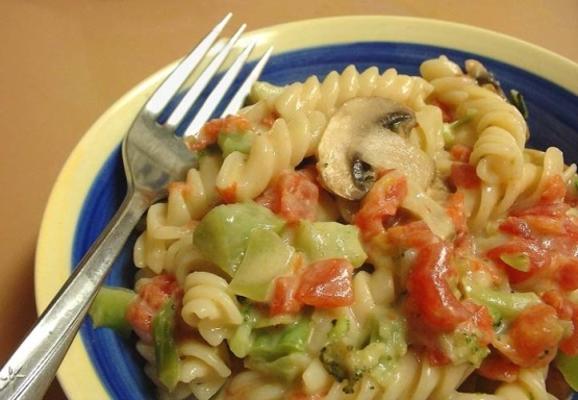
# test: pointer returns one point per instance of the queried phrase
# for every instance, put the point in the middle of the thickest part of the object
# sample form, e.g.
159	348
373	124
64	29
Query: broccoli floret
383	343
464	346
339	329
332	356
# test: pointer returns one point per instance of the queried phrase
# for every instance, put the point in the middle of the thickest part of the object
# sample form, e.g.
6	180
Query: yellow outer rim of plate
53	254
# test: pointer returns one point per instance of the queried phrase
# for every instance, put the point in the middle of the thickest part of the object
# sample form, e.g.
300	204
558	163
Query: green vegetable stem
167	358
109	309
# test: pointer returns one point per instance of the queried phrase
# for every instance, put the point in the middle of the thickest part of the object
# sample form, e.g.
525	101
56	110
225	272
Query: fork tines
167	90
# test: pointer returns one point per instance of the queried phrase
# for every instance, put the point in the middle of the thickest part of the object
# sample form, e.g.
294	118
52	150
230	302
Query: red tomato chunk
562	306
151	297
293	195
284	301
455	209
381	202
568	274
538	258
429	289
464	175
211	130
415	234
554	192
535	335
326	284
499	368
460	152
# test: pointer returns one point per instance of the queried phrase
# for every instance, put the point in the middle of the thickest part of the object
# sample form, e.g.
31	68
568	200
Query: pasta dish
369	236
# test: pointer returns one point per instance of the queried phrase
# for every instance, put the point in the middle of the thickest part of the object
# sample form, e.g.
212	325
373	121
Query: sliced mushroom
483	76
365	135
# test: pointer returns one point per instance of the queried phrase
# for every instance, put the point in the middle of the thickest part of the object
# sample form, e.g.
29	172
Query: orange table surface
63	62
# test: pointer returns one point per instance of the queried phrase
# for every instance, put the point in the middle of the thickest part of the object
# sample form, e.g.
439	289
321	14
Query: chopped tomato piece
140	317
326	284
554	191
211	130
538	258
460	152
455	208
566	245
284	301
268	198
535	335
158	290
568	274
530	224
293	195
464	175
499	368
480	323
571	227
569	345
426	338
429	289
546	225
228	194
516	226
151	297
381	202
544	210
447	112
413	235
562	306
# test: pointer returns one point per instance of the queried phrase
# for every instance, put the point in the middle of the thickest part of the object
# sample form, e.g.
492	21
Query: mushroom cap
365	135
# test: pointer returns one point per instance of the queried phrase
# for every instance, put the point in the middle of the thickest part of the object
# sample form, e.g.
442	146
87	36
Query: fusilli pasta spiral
529	386
249	385
209	306
203	370
287	143
411	378
337	88
500	130
168	222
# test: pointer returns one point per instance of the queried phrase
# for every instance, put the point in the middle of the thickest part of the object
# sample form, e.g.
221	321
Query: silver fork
153	157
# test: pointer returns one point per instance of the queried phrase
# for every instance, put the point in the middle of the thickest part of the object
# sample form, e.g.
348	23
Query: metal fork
153	157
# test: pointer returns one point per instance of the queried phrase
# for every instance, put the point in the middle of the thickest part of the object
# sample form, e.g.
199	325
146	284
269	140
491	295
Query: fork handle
32	367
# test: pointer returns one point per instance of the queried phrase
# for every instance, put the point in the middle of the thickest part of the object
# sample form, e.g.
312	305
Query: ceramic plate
91	185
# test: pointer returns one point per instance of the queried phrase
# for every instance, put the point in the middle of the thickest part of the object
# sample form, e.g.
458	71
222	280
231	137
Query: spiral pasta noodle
168	222
428	133
253	385
411	378
510	174
500	129
490	201
209	306
337	88
529	386
284	146
203	371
